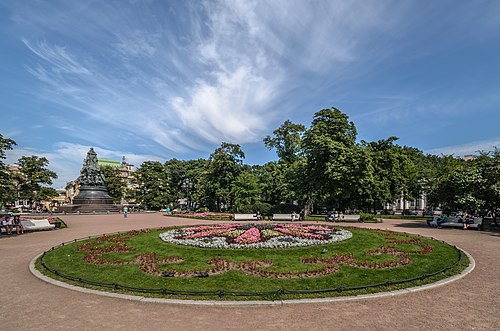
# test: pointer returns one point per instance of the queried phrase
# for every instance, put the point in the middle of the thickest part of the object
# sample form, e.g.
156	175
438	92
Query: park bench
453	222
246	217
351	218
344	218
477	225
33	225
285	217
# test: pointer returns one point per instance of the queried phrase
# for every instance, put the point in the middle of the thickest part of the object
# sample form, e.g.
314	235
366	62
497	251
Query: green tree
153	188
488	191
224	165
46	194
245	189
329	147
273	184
7	189
33	173
287	141
113	182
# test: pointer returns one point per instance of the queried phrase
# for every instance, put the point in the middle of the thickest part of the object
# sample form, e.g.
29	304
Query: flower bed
254	235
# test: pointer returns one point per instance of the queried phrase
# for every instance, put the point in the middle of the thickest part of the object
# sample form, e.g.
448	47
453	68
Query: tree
33	173
224	165
329	145
46	194
153	188
287	141
113	182
488	190
245	189
7	190
386	184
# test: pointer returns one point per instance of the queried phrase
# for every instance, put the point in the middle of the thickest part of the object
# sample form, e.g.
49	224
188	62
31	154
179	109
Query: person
294	216
468	219
258	215
340	216
167	210
125	211
18	225
331	216
441	220
7	223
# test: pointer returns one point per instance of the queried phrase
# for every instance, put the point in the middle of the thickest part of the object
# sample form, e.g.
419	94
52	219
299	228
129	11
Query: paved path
27	303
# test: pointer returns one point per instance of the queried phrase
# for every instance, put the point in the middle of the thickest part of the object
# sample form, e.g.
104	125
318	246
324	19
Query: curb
465	272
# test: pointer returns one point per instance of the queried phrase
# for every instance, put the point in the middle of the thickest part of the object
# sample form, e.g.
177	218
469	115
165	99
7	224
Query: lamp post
144	191
187	185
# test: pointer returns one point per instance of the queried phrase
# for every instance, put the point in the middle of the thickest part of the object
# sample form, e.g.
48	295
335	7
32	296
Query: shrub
368	218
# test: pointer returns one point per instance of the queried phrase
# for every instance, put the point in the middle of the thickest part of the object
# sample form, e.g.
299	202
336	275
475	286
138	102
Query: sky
155	80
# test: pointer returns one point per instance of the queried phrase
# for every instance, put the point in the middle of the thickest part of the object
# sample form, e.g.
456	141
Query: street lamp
187	185
144	191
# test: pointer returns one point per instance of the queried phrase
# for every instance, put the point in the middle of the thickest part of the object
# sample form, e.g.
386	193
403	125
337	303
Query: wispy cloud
222	77
472	148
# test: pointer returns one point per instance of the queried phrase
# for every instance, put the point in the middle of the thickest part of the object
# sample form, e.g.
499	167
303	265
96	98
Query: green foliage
367	218
33	173
46	194
287	141
262	208
471	186
224	166
245	190
113	182
7	189
153	189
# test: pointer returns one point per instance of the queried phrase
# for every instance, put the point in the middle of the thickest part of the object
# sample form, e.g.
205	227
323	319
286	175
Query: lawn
140	259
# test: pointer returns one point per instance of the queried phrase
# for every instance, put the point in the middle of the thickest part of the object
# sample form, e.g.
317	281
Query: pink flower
250	236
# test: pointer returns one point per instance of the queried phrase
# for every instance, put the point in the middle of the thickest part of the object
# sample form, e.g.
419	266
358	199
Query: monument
92	196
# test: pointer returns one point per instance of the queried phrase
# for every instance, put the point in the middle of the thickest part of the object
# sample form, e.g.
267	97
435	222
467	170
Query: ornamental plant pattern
255	235
321	266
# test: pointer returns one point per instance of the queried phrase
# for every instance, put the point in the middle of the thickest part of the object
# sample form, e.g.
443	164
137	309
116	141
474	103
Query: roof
109	163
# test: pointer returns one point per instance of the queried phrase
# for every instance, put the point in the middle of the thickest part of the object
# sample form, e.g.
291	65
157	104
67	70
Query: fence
222	292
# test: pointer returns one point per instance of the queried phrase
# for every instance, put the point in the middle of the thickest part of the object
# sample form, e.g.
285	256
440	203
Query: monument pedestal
91	199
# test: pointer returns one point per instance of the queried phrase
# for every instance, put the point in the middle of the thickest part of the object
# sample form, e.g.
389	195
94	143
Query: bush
368	218
262	208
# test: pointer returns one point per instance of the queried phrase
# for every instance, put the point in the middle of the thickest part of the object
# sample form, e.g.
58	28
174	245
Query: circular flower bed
255	235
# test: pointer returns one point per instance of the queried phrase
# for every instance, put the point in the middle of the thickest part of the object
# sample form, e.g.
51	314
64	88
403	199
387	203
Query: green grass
68	260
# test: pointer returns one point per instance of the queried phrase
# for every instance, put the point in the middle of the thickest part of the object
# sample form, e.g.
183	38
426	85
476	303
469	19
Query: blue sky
153	80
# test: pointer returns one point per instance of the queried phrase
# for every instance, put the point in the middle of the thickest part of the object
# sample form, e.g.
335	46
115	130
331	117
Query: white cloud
217	71
467	149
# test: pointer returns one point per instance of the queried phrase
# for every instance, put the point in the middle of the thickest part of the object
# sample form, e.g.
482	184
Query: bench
478	224
283	217
348	218
246	217
453	222
35	225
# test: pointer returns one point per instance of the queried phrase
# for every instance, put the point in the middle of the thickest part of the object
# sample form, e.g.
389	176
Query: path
471	303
